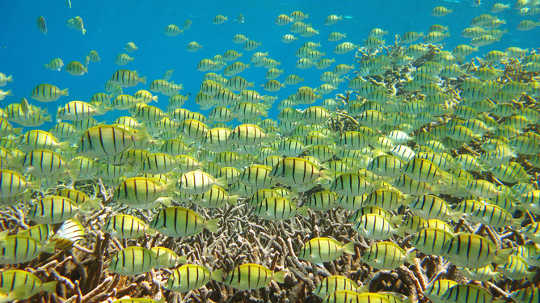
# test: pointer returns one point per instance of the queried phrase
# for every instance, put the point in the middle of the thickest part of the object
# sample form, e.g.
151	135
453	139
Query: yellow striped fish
133	260
277	208
249	276
108	140
473	251
141	192
330	284
374	227
181	222
16	249
52	210
48	93
386	255
431	241
469	293
22	285
348	296
126	227
166	258
323	249
188	277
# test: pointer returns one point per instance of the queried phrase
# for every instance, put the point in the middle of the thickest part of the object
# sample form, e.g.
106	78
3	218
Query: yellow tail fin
349	248
212	225
279	276
49	287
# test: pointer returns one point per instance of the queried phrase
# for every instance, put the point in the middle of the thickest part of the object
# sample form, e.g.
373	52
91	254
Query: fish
324	249
440	11
181	222
48	93
42	25
188	277
352	296
127	78
22	285
387	255
4	94
467	293
220	19
333	283
17	249
123	59
133	260
131	47
55	64
249	276
76	23
483	250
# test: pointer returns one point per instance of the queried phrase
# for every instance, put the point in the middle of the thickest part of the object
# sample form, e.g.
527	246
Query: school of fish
411	176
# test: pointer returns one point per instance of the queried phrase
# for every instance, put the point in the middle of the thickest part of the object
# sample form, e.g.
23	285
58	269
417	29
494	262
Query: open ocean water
111	24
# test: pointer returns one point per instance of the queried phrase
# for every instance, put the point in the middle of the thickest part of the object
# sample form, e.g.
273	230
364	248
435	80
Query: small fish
330	284
193	46
4	94
181	222
22	285
524	295
5	79
220	19
166	258
131	47
173	30
123	59
387	255
319	250
467	294
473	251
52	210
76	68
249	276
133	260
55	64
109	140
139	300
436	289
188	277
16	249
76	23
127	78
431	241
141	192
42	25
126	227
240	19
168	74
340	296
440	11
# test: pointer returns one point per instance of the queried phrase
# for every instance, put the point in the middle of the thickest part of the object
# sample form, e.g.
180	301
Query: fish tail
349	248
49	287
411	256
279	276
232	200
212	225
49	248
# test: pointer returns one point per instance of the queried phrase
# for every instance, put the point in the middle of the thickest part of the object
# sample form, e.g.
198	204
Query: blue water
110	24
